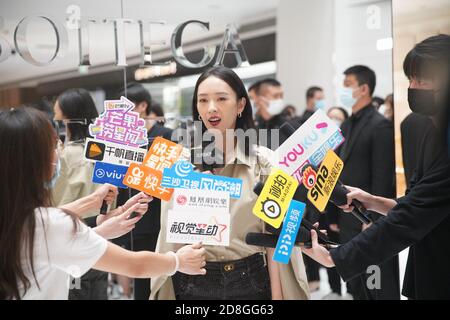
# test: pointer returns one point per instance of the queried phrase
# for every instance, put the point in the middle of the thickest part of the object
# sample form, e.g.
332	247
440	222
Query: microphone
270	240
210	160
104	207
339	197
303	236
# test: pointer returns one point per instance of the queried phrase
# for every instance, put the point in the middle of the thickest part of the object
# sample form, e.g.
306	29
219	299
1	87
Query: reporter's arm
144	264
93	201
370	202
417	214
81	206
189	259
384	205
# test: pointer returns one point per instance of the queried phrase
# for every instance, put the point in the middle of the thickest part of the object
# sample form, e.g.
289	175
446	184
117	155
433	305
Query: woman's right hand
366	199
105	192
118	224
192	259
369	201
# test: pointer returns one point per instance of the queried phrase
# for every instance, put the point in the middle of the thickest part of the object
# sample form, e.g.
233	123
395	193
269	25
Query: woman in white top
41	246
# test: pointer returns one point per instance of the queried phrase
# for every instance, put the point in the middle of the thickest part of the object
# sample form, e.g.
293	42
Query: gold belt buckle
228	267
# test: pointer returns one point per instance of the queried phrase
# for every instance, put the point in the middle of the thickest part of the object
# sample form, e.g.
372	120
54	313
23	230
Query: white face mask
275	107
346	98
382	109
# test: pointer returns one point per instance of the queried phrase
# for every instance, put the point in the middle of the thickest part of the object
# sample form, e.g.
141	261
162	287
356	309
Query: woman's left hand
143	200
318	253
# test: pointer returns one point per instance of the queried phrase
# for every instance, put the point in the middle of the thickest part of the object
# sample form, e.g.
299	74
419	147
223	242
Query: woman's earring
199	118
240	115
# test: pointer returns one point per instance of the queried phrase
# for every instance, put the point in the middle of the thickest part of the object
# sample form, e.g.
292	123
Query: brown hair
27	143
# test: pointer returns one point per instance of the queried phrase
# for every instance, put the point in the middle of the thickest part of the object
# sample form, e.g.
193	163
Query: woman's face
218	105
58	112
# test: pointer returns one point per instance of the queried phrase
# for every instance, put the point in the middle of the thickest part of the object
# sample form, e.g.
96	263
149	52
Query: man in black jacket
369	164
421	219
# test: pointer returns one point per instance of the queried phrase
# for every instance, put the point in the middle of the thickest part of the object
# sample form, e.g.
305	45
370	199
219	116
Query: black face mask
423	101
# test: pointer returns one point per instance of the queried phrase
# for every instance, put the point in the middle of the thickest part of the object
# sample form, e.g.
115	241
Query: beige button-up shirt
251	169
75	180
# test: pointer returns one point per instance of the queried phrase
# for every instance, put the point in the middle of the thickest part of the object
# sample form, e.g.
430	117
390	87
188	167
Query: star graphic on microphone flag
221	229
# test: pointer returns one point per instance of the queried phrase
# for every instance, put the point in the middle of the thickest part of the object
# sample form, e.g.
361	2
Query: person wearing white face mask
315	100
269	99
270	105
368	155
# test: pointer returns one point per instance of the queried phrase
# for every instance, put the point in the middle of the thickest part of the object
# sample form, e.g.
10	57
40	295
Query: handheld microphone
270	240
210	160
339	197
304	232
104	207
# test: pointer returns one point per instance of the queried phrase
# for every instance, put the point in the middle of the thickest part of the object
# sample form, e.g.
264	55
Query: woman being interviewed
237	271
41	246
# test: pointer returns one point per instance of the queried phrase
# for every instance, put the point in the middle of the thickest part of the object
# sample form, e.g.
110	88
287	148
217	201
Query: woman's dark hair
156	109
136	93
244	122
78	104
428	56
428	59
27	144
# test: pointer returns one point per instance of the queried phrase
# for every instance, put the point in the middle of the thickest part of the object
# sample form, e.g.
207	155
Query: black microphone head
261	239
339	194
258	188
270	240
208	155
304	235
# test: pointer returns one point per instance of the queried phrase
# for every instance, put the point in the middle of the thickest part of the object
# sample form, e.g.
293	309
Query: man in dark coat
421	219
369	164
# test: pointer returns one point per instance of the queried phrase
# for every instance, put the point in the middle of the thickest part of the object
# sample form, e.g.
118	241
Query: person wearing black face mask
421	219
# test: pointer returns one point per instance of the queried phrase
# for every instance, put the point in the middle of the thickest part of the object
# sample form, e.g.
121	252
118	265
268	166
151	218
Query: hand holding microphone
343	197
318	252
105	195
142	199
339	197
367	201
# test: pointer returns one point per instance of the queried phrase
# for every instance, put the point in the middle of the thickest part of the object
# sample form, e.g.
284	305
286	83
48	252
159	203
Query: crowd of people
54	244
